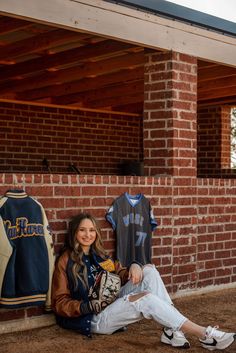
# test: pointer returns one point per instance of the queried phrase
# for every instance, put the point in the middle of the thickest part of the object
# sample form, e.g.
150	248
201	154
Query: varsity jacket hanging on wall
132	219
26	252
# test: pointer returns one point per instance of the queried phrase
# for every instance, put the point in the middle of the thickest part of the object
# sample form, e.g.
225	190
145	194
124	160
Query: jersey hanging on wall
132	220
26	252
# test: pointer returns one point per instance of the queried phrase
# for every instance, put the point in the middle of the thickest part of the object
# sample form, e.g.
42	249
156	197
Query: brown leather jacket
62	302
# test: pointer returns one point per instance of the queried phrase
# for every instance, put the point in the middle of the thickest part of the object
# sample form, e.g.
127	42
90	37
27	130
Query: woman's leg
116	315
132	308
210	337
151	282
194	329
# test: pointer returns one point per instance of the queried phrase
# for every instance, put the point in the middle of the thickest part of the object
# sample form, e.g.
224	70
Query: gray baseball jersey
132	220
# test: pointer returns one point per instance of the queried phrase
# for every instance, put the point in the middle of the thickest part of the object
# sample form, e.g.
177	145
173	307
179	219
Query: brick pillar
170	92
213	141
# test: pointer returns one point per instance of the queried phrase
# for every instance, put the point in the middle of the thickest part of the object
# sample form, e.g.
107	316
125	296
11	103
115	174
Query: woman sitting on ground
75	272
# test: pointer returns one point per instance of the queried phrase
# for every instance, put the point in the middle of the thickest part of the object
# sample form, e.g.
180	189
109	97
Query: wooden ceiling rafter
68	92
224	82
118	90
37	44
228	100
70	56
135	97
74	73
216	93
215	72
41	63
47	61
15	24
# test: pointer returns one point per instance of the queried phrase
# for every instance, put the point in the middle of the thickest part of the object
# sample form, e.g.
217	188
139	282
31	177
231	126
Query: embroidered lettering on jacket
22	228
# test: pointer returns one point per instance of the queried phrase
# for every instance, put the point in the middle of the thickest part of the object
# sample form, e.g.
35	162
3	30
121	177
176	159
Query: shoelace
213	332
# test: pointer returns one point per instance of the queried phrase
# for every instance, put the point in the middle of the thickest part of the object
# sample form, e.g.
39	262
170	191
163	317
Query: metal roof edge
181	13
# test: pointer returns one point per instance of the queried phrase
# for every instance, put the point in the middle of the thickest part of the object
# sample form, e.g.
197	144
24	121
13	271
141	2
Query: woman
75	271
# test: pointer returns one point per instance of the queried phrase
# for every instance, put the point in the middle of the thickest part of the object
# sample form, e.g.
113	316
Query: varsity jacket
66	299
26	252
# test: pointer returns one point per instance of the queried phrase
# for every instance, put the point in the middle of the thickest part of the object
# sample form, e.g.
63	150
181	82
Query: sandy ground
143	337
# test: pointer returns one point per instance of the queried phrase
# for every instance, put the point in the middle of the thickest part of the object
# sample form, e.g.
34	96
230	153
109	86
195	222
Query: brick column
214	155
170	92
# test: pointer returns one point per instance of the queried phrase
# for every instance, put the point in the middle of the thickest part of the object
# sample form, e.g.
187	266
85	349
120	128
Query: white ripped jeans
156	305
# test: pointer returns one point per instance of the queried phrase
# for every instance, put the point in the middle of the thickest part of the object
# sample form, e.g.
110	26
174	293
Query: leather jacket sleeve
122	272
62	303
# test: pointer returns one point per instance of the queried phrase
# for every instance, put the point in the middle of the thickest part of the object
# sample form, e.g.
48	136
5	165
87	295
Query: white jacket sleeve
51	256
5	252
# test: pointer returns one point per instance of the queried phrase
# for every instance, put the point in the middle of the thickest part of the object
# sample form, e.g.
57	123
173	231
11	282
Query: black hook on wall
74	168
45	163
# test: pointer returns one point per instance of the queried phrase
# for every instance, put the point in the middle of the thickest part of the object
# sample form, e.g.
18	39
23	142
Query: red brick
67	191
222	254
93	190
45	137
206	274
38	191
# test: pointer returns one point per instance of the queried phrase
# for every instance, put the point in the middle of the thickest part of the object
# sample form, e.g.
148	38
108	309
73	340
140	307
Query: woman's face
86	234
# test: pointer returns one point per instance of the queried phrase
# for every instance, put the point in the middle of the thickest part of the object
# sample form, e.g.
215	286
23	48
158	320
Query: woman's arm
134	273
62	303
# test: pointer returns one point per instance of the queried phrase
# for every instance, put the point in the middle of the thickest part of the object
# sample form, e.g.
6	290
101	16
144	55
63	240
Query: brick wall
194	245
96	142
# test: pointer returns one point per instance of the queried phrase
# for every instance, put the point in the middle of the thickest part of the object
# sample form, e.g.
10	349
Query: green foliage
233	138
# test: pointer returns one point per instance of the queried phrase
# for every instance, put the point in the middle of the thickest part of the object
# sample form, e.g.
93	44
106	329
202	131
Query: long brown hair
79	269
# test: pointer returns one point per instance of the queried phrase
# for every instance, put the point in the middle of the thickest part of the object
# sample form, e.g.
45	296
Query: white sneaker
216	339
174	338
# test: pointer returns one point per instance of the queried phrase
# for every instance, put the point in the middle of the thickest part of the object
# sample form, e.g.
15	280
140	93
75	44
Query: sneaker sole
213	348
165	340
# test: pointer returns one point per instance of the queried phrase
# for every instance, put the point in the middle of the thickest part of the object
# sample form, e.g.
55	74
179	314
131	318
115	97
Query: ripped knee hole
134	297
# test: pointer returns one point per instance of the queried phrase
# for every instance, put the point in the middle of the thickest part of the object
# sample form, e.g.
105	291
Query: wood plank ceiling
40	63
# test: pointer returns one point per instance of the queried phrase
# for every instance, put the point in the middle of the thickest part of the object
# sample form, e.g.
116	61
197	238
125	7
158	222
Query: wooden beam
68	92
217	93
229	100
121	89
8	24
127	24
71	107
136	97
36	43
75	73
133	107
203	64
210	73
69	56
223	82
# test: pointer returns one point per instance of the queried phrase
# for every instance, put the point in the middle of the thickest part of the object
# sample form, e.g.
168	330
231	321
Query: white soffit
126	24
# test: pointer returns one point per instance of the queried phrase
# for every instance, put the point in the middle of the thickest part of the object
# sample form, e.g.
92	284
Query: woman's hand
135	273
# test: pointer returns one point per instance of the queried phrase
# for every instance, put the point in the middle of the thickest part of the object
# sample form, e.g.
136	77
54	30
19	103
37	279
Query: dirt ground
143	337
